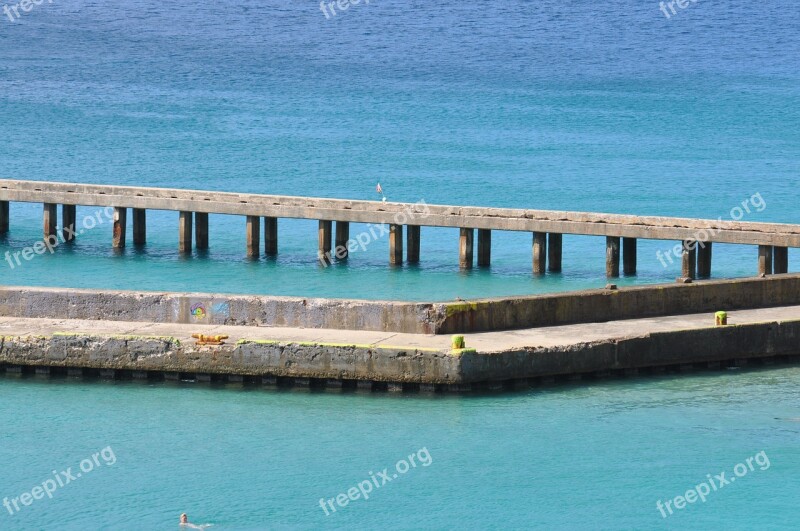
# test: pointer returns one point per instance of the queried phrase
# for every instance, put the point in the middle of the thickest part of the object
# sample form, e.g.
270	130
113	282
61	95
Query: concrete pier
201	230
413	241
342	238
253	236
68	228
139	216
612	256
120	227
780	260
764	260
3	217
270	236
539	253
484	248
325	239
185	232
50	219
465	248
554	252
704	251
689	260
395	244
629	256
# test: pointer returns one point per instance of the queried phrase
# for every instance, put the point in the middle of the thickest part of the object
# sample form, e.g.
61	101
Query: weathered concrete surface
412	358
598	224
401	317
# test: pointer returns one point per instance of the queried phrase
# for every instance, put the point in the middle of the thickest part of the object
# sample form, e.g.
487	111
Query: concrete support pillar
395	244
3	217
139	226
780	260
270	236
629	256
120	227
764	259
539	252
253	231
412	237
689	259
554	252
50	219
465	246
185	232
68	229
201	230
342	237
325	234
704	259
612	256
484	247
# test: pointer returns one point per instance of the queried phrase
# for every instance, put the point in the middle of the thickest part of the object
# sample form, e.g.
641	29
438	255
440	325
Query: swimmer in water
185	523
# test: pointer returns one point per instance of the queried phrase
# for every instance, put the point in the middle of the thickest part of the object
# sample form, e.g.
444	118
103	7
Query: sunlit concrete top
584	223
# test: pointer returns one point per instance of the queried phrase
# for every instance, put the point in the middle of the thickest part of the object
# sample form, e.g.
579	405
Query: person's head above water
184	519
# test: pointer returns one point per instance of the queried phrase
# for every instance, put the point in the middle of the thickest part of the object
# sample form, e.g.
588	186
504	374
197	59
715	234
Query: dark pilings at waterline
484	247
139	226
629	256
780	260
395	244
50	219
539	252
185	232
342	237
612	256
68	229
325	236
201	230
554	252
465	248
270	236
120	227
412	237
253	230
704	259
689	259
764	259
3	217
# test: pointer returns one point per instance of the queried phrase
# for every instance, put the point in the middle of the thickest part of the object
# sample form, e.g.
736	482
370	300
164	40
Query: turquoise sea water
583	106
583	457
550	104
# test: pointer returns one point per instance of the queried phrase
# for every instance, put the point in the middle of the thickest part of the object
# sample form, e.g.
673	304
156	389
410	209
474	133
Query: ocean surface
580	105
569	105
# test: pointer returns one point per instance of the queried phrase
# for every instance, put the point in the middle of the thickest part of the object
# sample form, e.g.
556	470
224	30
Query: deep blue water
553	105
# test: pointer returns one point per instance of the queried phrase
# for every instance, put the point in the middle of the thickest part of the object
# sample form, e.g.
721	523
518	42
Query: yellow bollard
458	342
721	318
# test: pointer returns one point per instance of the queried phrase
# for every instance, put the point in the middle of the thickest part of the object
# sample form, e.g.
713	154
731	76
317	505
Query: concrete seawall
508	313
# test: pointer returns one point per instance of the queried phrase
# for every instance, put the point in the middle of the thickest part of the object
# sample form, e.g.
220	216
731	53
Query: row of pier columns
546	247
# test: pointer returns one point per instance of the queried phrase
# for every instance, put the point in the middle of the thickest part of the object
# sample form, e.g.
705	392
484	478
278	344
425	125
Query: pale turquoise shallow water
597	456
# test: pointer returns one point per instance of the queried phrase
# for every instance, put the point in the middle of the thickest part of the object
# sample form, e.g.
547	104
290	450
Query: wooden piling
780	260
120	226
185	232
3	217
270	236
704	259
201	230
139	226
412	238
764	260
484	247
539	252
629	256
50	220
395	244
253	230
554	252
465	247
340	250
325	237
68	229
612	256
689	259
